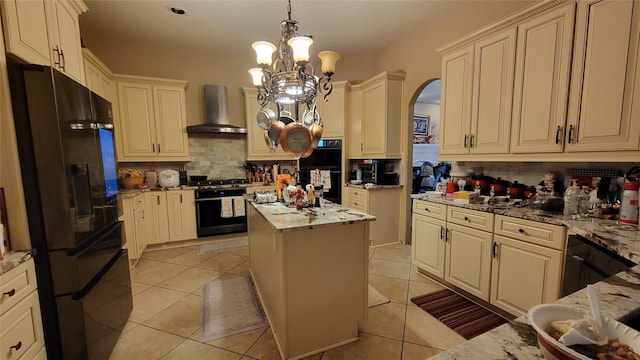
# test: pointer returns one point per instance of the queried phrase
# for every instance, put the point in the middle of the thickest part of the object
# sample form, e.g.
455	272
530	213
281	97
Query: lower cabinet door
181	211
155	210
524	275
428	247
468	260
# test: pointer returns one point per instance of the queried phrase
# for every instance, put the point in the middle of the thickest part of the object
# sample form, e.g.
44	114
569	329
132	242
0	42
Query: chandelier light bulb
329	59
256	76
300	46
264	51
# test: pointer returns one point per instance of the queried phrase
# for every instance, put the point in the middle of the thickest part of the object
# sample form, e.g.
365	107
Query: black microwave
378	173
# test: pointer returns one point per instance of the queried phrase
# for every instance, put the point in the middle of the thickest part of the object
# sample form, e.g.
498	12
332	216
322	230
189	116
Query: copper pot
316	134
295	139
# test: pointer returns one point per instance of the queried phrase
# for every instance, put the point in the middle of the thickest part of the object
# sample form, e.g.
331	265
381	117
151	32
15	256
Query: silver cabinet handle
62	60
57	51
158	148
558	131
441	233
495	250
466	137
153	147
470	141
570	136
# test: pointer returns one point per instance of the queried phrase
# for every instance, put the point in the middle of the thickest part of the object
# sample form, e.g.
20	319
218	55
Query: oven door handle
213	199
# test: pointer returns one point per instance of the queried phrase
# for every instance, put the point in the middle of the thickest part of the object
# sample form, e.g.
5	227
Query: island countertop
283	218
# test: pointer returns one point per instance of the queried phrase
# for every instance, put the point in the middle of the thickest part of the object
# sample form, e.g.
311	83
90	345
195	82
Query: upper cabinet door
492	93
136	120
455	109
64	30
25	30
543	59
604	77
374	111
170	122
334	110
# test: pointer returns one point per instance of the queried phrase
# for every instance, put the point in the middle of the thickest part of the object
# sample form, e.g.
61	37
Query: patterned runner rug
461	315
230	306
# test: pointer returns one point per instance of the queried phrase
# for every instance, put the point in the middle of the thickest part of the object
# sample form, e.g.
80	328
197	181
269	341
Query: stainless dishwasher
587	262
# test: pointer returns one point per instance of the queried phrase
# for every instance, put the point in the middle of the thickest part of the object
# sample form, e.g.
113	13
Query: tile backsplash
218	156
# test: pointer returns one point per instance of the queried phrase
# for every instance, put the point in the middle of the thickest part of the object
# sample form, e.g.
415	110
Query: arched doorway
426	127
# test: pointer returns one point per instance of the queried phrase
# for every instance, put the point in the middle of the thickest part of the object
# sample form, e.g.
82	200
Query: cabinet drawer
16	285
475	219
22	327
358	199
534	232
358	204
430	209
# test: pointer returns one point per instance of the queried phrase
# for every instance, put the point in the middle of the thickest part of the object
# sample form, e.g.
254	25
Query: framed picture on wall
421	125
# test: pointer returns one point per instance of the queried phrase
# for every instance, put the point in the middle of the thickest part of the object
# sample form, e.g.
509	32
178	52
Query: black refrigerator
69	173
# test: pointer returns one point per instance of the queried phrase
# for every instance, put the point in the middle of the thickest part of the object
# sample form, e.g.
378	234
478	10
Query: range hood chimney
217	113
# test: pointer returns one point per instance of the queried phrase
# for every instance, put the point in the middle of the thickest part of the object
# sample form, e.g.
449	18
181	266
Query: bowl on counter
131	182
541	316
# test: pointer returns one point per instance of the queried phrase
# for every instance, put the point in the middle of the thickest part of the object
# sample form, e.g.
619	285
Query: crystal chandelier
289	82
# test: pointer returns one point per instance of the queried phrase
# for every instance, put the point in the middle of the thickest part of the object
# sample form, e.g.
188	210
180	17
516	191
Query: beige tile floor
167	289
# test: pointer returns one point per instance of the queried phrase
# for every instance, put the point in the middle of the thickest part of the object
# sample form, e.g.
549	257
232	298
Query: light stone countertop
283	218
618	294
12	259
517	339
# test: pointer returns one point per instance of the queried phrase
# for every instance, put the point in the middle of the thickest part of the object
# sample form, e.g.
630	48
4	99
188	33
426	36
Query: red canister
629	207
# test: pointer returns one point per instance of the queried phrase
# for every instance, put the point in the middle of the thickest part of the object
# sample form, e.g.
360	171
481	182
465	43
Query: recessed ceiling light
176	10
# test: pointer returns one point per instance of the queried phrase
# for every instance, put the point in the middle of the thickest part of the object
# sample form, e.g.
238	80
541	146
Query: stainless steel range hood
217	117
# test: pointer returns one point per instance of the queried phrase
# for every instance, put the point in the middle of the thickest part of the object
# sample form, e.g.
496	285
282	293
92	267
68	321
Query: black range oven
220	209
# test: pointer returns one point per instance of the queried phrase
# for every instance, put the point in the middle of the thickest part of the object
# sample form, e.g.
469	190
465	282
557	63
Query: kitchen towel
326	180
227	207
238	206
316	180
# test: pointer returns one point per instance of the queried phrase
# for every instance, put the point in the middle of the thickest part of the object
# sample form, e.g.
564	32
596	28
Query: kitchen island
310	269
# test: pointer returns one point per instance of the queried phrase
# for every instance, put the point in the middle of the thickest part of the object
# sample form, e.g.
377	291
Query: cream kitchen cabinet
543	60
98	77
605	81
46	33
335	110
21	334
468	238
380	112
152	121
354	139
64	36
25	30
527	264
181	211
257	148
477	96
135	226
384	204
453	244
170	216
428	227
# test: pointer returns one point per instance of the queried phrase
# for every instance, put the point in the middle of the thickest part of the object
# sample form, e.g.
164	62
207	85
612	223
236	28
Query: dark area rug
461	315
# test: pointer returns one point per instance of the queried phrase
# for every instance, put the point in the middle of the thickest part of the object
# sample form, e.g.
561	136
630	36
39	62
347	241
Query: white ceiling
230	26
